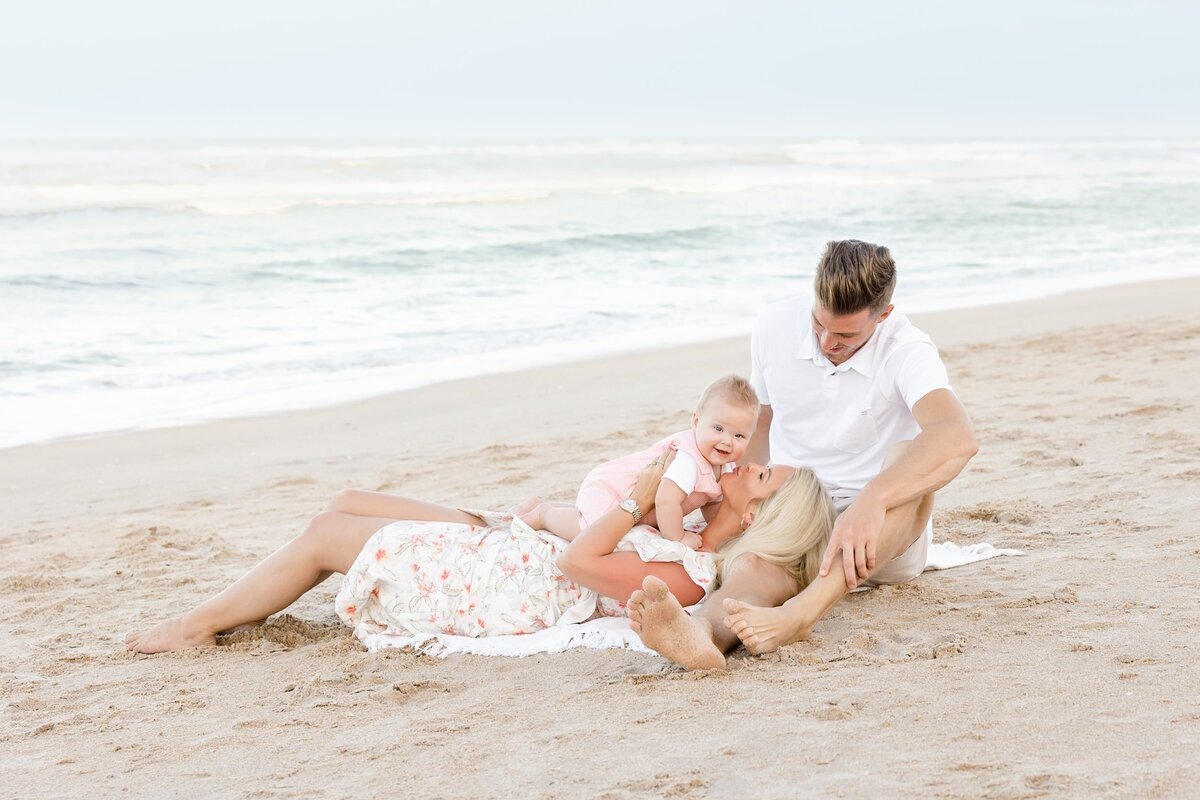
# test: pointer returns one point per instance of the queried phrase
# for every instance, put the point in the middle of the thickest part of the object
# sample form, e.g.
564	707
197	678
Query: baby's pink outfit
613	481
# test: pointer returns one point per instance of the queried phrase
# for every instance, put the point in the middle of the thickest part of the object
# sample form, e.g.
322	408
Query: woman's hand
646	487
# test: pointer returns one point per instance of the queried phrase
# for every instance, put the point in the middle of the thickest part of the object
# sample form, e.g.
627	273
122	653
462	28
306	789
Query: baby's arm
668	506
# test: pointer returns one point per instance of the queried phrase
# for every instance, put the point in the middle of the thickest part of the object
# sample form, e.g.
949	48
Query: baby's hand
692	540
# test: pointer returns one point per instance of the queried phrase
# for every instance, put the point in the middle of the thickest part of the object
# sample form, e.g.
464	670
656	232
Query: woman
413	567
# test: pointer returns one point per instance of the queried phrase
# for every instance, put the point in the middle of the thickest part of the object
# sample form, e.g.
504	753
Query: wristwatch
630	505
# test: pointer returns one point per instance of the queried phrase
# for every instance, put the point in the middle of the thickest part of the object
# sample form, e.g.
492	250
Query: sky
555	69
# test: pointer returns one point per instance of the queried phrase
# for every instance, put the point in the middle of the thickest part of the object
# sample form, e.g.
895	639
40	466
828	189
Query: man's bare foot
666	628
173	634
525	506
763	630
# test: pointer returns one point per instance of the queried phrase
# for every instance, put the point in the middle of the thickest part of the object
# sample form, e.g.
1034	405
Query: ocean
149	284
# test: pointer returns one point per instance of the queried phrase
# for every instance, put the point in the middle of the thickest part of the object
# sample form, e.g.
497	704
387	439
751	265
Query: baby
722	425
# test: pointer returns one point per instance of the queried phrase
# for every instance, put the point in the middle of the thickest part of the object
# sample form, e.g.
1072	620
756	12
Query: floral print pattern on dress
468	580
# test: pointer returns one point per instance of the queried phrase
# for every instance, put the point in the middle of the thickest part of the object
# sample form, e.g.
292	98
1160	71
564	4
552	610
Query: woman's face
751	482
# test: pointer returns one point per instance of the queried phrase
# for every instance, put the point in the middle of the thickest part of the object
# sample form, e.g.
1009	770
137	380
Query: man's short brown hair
854	275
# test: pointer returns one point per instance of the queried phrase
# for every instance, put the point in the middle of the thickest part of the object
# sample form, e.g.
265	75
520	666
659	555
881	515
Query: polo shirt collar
862	362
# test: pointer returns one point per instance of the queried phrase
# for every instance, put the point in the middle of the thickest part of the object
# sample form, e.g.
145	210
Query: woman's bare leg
363	503
330	544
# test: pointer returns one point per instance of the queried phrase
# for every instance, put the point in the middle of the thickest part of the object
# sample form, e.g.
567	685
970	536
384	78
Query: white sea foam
161	284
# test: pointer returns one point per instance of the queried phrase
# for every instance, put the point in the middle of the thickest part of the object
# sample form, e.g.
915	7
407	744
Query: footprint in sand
1016	512
506	451
663	784
833	711
1047	782
300	480
284	632
200	502
1153	410
1065	595
28	582
896	647
514	479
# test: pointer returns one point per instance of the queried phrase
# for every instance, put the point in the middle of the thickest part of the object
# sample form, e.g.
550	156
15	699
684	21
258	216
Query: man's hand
854	536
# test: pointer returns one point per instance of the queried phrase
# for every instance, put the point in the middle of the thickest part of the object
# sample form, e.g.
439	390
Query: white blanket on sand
606	632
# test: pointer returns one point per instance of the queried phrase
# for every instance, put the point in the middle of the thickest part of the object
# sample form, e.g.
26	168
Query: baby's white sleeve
683	472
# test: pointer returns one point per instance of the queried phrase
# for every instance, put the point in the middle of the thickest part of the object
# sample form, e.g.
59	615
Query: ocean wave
33	214
265	199
532	249
572	149
532	252
334	268
69	283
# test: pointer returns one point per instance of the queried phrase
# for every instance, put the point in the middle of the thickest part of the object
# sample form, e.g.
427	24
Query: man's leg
764	629
701	641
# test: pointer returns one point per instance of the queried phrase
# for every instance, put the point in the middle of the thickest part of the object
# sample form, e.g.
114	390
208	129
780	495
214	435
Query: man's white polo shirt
840	420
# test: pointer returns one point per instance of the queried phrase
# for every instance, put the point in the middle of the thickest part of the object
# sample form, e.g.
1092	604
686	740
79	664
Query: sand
1069	672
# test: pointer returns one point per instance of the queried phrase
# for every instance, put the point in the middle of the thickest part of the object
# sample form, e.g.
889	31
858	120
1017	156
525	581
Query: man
860	395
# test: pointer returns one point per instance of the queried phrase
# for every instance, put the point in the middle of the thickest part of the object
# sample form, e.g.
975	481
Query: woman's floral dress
468	580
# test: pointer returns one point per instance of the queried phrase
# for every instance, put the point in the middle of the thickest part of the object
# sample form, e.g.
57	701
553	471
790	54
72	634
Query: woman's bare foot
665	627
763	630
173	634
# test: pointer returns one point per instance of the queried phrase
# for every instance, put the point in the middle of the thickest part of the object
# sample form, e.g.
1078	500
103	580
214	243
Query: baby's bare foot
525	506
763	630
665	627
535	517
173	634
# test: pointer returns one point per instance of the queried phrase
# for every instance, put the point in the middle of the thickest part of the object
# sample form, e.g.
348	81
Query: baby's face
723	430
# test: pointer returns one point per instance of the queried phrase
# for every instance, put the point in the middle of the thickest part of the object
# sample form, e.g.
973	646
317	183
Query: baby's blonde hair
734	389
791	529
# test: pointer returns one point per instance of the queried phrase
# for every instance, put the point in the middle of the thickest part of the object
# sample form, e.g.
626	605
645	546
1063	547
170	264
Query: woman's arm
590	561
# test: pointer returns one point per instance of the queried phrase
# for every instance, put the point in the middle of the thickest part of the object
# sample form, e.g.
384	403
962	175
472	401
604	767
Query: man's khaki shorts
904	567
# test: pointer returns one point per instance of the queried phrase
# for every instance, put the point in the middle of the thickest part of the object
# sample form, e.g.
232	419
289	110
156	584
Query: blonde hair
854	275
791	529
734	389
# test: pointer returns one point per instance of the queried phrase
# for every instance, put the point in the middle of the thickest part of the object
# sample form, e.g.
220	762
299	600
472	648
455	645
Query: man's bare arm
934	458
759	449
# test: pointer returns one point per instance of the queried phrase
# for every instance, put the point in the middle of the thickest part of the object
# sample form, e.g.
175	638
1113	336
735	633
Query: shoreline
336	445
953	326
987	675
